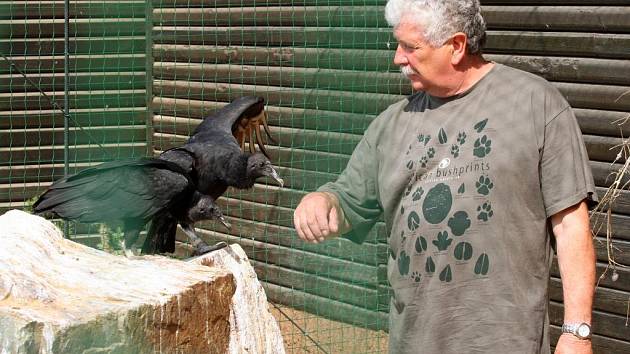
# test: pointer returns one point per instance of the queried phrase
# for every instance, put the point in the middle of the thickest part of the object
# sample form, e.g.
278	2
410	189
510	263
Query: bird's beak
225	223
271	172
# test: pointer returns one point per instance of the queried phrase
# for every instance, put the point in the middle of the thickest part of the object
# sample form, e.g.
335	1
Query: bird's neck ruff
244	179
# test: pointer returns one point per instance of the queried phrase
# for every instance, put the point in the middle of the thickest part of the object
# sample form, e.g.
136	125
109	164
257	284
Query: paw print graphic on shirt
455	150
484	185
482	146
485	211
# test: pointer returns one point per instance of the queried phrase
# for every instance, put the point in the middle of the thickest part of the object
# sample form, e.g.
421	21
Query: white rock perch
57	296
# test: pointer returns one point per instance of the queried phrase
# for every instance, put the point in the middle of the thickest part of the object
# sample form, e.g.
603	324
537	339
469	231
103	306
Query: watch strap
573	328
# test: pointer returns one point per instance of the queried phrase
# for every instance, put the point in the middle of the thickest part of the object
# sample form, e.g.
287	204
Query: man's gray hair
441	19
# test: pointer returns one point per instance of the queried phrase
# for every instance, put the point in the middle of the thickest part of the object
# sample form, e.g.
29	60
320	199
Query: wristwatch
580	330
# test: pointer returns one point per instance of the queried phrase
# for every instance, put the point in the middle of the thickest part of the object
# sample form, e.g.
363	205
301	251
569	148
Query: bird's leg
198	244
128	244
132	232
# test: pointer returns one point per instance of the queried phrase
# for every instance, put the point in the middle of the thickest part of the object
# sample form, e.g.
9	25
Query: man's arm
319	216
576	258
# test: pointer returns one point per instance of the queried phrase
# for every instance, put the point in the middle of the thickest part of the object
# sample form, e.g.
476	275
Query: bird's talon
207	248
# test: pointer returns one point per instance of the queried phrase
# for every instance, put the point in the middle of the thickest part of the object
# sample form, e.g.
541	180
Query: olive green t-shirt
466	186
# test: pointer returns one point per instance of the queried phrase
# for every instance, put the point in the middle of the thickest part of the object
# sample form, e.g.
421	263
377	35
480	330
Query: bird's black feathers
131	191
213	156
179	186
117	190
227	119
215	160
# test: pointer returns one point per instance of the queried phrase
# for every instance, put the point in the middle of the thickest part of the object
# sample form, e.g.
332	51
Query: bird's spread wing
115	190
242	119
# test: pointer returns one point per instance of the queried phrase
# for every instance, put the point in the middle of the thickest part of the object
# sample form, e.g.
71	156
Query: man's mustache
407	71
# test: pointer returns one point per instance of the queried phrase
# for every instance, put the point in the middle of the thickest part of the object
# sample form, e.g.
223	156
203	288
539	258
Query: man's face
427	67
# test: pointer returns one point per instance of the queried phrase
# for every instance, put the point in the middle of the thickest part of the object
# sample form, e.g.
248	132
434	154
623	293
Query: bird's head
258	165
206	209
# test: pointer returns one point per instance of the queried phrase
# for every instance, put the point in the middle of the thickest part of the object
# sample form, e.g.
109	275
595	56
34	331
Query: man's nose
400	58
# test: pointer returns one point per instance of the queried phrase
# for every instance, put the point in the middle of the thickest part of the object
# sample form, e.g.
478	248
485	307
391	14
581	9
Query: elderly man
473	173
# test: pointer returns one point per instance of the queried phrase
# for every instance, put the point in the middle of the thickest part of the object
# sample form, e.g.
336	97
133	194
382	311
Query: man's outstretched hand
318	217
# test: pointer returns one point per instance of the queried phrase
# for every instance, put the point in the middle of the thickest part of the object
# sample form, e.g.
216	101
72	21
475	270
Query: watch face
583	331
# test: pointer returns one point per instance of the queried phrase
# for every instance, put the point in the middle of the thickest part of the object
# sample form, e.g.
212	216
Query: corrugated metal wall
107	96
325	69
584	50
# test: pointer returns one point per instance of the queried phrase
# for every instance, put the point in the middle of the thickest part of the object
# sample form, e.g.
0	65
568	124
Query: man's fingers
306	229
306	224
318	224
298	225
333	220
321	229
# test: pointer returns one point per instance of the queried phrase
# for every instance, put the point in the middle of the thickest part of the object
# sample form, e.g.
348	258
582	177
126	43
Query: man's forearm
576	258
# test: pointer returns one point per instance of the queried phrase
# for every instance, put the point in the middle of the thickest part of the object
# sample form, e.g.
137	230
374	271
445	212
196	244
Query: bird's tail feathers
161	235
65	203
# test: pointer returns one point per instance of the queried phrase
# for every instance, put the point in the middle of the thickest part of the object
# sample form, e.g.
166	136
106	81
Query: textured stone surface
57	296
249	313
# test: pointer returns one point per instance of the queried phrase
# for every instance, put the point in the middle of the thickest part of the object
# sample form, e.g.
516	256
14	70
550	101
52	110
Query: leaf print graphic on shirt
483	265
429	266
480	125
442	138
446	275
437	204
421	244
408	190
461	189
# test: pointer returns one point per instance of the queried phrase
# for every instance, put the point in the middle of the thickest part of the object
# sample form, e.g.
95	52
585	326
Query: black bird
134	192
215	160
213	156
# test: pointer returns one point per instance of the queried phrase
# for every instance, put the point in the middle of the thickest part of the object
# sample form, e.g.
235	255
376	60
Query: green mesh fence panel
105	76
323	68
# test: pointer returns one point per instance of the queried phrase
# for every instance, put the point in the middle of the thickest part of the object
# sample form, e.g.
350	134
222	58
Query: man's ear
458	47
